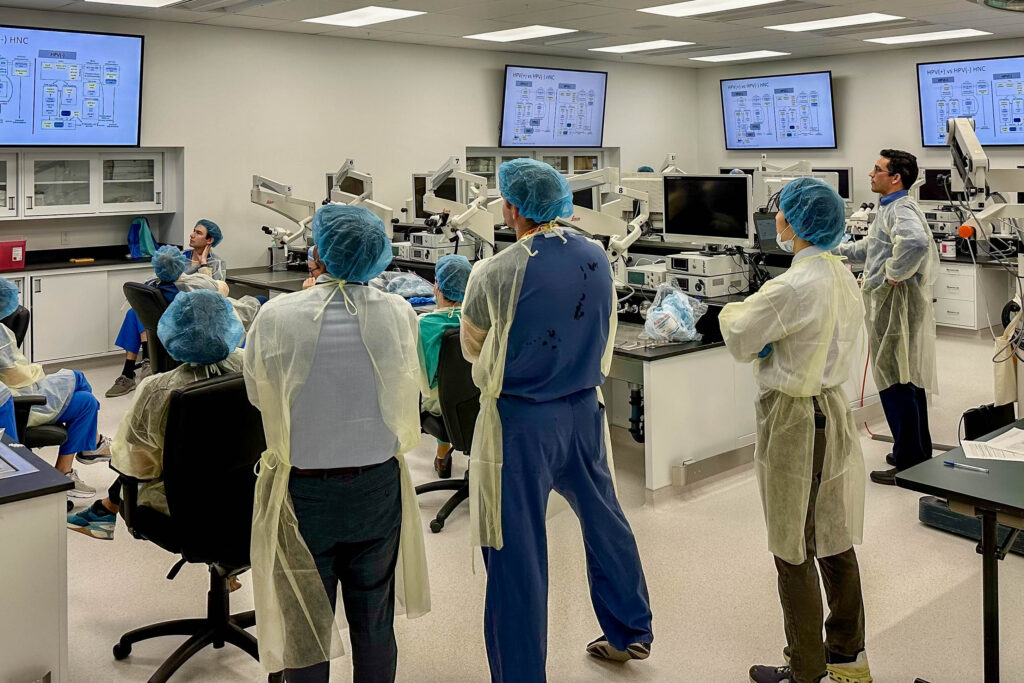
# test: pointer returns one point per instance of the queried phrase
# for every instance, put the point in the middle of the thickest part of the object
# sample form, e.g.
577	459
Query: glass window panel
582	164
61	194
128	169
561	164
127	192
59	170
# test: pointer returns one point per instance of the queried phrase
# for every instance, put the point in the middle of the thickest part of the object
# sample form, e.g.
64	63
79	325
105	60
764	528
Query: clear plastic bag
673	316
409	285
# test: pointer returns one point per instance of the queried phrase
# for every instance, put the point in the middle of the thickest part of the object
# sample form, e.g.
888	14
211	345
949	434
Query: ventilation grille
772	10
224	6
872	28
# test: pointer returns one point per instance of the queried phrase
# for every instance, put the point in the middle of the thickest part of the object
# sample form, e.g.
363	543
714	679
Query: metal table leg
989	550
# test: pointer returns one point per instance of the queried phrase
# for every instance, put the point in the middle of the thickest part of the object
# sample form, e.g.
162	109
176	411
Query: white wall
292	107
876	107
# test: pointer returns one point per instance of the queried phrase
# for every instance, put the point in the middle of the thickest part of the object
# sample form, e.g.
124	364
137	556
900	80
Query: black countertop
55	259
262	277
43	482
1001	490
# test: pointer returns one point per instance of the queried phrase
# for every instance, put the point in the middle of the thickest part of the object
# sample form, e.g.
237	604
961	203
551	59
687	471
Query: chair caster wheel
71	506
122	651
436	525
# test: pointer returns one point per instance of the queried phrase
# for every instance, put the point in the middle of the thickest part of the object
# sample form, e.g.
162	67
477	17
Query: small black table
997	497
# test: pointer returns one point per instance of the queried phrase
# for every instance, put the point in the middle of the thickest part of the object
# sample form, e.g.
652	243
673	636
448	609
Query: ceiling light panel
641	47
365	16
136	3
737	56
522	33
836	22
693	8
928	37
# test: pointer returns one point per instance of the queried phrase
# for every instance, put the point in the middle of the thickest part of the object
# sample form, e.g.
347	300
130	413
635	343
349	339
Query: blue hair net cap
452	274
540	192
815	210
8	297
351	242
169	263
200	327
645	169
212	230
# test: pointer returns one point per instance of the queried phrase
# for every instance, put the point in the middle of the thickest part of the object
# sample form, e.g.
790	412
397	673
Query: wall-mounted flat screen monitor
69	88
779	112
713	209
844	188
990	91
553	107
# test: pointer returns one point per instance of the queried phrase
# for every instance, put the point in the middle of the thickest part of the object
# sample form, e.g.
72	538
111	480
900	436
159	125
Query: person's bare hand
308	282
894	283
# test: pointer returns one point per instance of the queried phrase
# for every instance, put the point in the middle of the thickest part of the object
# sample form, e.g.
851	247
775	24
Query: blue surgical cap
645	169
212	230
8	297
351	242
736	171
815	210
452	274
200	327
169	263
540	192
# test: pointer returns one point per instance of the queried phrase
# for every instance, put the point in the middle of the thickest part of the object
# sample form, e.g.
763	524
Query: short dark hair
903	164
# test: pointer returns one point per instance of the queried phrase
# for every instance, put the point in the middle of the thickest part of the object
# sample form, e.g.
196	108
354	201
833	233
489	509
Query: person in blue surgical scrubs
539	325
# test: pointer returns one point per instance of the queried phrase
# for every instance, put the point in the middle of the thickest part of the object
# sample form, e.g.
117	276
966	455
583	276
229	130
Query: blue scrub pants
557	445
129	337
906	411
7	421
80	416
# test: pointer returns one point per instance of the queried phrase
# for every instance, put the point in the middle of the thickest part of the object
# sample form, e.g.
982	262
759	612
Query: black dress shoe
890	460
885	477
443	466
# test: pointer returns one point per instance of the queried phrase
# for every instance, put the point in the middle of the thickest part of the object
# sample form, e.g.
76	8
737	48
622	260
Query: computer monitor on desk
844	189
449	190
589	198
936	184
712	210
766	234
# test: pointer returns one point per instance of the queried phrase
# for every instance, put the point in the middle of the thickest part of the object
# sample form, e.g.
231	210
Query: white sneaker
99	454
81	490
854	672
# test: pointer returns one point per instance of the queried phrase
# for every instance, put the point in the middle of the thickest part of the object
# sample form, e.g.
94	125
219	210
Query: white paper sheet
1006	446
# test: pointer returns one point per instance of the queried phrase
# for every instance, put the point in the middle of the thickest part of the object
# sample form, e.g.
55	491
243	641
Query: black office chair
149	304
43	435
210	486
460	403
17	323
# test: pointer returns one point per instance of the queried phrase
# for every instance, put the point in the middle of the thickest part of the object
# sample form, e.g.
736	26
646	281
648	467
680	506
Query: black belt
337	471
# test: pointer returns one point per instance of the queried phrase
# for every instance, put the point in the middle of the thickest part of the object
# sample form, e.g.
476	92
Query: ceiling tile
171	14
35	4
502	8
242	21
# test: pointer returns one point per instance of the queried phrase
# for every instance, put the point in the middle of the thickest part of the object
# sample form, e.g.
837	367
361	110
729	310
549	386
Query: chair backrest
458	396
214	438
17	323
149	304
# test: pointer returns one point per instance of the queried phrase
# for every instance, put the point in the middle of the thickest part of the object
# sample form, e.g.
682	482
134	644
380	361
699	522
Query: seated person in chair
69	399
202	260
450	276
201	330
170	265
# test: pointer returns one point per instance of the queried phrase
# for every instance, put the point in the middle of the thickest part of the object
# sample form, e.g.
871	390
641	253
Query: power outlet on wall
65	238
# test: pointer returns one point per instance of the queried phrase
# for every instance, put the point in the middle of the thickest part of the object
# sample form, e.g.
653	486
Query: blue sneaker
92	523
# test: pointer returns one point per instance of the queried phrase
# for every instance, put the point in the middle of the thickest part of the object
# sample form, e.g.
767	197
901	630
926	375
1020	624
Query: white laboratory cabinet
69	315
131	182
59	183
969	296
8	186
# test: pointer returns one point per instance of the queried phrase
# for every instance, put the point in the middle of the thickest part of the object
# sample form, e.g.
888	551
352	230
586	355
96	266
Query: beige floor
711	580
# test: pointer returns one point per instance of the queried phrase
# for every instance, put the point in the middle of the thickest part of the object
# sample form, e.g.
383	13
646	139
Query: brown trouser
800	594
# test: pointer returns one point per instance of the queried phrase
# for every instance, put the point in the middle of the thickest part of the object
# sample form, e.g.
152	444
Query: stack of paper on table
1006	446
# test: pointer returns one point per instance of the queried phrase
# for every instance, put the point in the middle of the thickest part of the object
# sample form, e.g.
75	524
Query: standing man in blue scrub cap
206	235
539	324
900	259
334	371
450	276
802	331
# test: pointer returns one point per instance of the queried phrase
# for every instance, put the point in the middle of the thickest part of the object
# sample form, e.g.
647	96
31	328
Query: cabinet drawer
967	269
956	313
961	287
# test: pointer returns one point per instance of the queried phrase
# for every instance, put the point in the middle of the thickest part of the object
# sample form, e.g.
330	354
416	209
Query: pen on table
961	466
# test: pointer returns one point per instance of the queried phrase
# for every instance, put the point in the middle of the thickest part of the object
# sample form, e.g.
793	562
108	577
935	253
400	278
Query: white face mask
786	245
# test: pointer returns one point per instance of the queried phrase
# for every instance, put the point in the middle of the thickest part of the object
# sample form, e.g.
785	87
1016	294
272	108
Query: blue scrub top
168	289
561	323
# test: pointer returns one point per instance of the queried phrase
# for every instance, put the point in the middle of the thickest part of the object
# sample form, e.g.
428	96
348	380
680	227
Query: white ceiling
600	23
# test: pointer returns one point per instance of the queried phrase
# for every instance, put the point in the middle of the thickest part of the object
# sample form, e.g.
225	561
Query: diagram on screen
562	111
784	116
76	92
15	90
995	102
